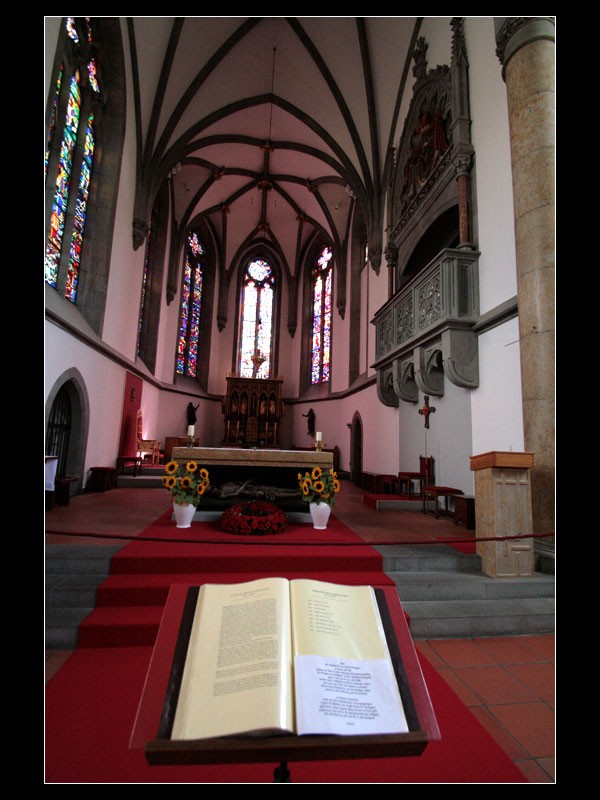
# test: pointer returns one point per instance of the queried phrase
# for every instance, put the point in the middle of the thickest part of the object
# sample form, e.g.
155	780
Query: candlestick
318	436
191	430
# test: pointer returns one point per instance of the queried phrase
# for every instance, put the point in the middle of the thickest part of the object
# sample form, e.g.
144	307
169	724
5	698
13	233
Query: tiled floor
507	682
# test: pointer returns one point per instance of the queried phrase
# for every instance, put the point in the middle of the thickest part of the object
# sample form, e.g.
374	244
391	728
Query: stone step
71	591
73	573
464	619
140	482
427	559
64	559
443	591
148	478
62	626
61	637
446	595
469	586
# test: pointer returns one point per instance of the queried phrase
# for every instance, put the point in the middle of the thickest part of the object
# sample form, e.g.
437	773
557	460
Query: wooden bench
136	461
102	479
434	493
464	511
62	490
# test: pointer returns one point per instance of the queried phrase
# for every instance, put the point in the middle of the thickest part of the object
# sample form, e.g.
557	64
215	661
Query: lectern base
282	773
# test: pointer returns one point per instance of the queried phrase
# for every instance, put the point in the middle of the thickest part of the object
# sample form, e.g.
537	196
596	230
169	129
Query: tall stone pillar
526	49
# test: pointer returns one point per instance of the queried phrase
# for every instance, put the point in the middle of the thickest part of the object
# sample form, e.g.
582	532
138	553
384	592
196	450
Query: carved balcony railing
425	331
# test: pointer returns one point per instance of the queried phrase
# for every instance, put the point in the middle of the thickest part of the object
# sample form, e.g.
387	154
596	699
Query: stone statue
310	421
191	413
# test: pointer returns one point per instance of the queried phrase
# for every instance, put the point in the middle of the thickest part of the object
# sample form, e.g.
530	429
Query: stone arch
73	383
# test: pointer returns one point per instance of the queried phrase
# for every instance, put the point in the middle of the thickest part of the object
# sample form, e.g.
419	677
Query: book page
237	677
343	674
330	619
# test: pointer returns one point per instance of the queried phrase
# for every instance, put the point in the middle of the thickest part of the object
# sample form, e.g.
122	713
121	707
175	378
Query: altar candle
190	430
318	436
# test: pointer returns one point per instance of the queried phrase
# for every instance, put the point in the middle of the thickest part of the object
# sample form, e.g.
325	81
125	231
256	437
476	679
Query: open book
274	656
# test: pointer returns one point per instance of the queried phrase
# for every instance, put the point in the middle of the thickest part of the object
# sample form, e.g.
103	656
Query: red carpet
296	533
91	703
466	547
130	601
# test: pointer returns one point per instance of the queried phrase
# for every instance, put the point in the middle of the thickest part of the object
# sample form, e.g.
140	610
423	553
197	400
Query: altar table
299	460
262	467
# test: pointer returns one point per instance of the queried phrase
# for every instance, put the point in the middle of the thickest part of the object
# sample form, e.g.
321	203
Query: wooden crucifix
427	410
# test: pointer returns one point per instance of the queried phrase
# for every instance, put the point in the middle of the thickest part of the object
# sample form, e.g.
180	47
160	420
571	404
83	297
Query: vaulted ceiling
269	127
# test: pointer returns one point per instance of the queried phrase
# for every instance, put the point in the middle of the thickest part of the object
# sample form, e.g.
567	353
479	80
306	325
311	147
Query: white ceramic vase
184	514
320	515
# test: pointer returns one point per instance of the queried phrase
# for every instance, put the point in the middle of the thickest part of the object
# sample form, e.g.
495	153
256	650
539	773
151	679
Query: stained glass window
93	76
63	183
257	320
53	115
191	305
75	159
322	286
80	211
72	29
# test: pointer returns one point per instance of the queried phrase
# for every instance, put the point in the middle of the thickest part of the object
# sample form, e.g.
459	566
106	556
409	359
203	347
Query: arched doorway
67	420
356	445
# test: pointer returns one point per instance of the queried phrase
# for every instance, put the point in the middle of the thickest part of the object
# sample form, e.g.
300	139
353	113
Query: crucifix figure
257	359
427	410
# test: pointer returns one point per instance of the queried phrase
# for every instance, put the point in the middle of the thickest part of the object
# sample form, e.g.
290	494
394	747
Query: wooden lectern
503	508
157	705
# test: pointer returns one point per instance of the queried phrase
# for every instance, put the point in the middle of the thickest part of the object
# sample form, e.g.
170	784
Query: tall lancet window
54	114
191	307
144	299
322	293
256	329
74	161
80	212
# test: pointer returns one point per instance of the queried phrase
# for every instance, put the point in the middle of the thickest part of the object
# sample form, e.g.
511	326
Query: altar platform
268	474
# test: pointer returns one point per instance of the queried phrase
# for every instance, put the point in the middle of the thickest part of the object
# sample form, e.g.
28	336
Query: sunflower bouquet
187	483
319	486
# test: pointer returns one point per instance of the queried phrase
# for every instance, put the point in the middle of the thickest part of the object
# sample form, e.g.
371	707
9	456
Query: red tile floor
507	682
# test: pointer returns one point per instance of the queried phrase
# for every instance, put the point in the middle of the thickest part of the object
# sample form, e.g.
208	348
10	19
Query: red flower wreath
253	518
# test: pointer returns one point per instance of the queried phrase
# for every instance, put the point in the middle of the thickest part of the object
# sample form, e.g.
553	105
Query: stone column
463	166
525	47
391	257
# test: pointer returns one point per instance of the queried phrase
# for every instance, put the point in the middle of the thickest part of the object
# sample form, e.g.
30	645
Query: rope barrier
272	540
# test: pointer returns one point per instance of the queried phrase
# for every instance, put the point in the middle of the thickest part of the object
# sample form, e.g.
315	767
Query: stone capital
513	33
140	232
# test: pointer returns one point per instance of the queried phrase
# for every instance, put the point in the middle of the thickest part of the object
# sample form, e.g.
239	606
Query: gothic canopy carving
435	146
425	145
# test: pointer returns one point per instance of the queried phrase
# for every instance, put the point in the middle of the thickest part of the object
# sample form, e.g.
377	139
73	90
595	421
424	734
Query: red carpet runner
92	702
130	601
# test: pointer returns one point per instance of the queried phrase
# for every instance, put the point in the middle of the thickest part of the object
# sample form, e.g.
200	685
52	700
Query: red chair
424	476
